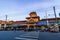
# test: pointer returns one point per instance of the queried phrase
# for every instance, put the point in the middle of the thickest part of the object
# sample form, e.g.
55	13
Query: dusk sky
20	9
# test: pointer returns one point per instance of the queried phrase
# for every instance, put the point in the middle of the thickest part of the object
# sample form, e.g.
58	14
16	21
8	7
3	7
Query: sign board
59	14
41	23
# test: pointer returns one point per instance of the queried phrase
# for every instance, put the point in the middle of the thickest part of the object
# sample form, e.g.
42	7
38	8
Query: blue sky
20	9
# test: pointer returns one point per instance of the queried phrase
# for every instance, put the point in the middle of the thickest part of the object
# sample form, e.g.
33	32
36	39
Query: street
39	36
49	36
28	35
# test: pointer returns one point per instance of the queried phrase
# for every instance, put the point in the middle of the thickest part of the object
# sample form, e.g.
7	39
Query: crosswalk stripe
24	38
30	37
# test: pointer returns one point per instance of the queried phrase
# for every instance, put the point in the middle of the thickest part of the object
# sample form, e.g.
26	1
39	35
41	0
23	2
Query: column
28	26
4	25
34	27
0	26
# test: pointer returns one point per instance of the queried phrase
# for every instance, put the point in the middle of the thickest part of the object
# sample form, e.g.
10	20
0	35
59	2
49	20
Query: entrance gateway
32	20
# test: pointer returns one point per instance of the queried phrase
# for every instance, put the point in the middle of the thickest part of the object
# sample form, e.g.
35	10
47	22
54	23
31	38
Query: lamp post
5	21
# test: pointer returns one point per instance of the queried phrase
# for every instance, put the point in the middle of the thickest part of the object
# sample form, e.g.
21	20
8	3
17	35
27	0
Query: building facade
32	20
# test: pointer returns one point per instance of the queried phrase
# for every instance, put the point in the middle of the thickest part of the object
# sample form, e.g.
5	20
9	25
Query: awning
41	23
16	25
12	25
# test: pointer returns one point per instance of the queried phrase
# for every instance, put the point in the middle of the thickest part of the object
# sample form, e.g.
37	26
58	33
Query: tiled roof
19	22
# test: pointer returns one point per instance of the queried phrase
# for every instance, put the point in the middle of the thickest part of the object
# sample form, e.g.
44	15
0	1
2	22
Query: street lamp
5	21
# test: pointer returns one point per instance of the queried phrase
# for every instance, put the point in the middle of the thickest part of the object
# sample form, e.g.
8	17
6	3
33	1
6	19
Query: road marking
19	38
28	36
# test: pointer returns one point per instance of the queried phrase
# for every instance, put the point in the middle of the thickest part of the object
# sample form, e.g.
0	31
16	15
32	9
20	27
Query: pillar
0	25
28	26
4	25
34	27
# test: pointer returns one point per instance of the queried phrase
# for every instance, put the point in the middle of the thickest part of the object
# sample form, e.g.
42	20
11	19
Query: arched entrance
31	27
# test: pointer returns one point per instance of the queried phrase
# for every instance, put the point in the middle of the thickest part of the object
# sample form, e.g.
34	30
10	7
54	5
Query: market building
33	21
51	21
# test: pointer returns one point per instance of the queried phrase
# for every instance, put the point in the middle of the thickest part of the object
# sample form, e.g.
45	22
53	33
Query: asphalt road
33	35
49	36
19	35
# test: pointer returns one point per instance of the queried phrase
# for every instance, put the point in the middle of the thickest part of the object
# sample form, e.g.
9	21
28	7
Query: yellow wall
35	19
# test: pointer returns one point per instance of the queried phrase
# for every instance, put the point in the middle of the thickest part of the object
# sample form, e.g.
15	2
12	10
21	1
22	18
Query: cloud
20	9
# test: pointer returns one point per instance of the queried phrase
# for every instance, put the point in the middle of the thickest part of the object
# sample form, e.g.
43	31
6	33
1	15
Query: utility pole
46	18
56	25
55	14
6	18
5	21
